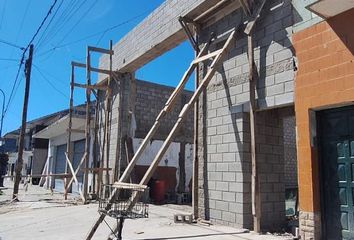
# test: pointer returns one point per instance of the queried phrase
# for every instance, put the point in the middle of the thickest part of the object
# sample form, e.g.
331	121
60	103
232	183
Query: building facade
304	94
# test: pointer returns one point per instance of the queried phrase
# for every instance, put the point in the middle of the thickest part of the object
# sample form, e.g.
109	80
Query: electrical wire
49	82
14	88
11	44
94	34
47	27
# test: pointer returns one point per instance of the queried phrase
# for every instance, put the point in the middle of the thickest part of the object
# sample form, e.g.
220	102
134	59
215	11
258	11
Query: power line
94	34
23	57
67	14
45	30
11	44
49	82
9	59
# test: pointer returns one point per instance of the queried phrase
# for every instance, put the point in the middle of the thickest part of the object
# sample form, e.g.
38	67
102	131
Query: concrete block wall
224	149
273	57
290	158
270	157
149	100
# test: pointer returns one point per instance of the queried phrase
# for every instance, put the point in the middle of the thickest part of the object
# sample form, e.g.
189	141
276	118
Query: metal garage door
79	149
337	154
60	162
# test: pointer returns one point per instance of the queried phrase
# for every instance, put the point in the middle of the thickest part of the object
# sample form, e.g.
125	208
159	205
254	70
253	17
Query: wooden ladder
217	57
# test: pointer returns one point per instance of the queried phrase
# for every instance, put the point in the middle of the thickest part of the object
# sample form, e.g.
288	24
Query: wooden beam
256	201
76	171
254	17
195	176
74	176
93	69
75	130
100	50
55	175
103	88
188	33
88	122
206	57
211	11
77	64
246	7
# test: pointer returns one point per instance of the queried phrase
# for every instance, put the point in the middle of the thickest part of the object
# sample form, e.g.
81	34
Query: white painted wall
170	159
53	143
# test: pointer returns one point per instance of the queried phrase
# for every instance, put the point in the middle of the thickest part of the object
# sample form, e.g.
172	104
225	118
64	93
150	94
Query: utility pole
2	111
18	170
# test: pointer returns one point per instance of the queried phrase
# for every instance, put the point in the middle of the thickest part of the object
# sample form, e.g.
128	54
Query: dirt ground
41	214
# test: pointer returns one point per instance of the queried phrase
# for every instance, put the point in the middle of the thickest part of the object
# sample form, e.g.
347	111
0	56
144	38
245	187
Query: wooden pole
28	68
256	203
108	114
68	142
195	177
88	118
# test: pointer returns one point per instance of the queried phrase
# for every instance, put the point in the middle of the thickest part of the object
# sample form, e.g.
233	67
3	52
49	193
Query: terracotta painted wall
325	78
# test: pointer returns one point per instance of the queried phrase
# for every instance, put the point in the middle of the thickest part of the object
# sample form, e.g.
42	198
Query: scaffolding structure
101	162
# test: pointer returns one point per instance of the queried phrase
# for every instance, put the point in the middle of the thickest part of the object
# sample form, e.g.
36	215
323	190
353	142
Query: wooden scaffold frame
89	87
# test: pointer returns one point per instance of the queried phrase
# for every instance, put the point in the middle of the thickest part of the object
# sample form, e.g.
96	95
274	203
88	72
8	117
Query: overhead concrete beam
155	35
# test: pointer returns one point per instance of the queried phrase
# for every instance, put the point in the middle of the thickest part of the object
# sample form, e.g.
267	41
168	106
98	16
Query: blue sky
76	24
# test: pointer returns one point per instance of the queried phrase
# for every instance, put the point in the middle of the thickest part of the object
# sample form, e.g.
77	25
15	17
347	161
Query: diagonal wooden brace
74	174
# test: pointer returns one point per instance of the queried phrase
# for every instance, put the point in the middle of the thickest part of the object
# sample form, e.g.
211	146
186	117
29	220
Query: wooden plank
77	64
74	176
254	17
103	88
128	185
93	69
171	101
56	175
99	70
246	8
100	50
75	130
76	171
188	33
211	10
97	169
206	57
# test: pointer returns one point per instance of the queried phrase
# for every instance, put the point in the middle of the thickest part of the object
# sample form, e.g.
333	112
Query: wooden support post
68	142
195	176
95	188
88	119
107	117
256	201
28	67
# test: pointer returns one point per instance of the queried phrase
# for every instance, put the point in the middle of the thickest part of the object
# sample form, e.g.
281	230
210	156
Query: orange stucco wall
325	78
